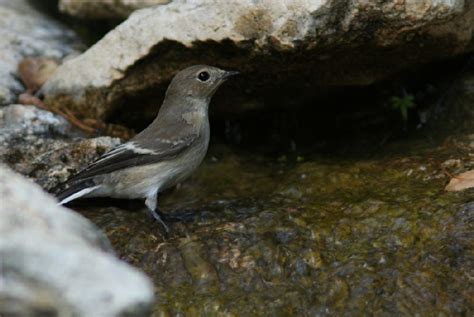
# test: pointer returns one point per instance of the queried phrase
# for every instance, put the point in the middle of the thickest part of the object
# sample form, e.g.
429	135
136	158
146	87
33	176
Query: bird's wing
135	154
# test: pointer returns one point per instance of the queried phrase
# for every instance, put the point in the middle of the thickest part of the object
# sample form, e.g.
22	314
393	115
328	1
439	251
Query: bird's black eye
203	76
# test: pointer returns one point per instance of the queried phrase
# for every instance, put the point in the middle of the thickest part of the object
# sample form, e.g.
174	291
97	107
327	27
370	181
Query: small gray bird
163	154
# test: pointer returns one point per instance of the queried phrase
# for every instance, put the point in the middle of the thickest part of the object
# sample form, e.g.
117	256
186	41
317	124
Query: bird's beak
228	74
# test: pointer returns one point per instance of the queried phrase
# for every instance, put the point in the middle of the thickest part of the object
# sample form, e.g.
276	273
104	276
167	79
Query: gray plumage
163	154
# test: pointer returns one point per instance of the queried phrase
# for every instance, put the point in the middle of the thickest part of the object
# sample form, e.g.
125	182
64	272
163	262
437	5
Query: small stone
34	72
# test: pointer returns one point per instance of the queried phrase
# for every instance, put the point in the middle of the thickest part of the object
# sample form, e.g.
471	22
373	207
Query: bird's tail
75	191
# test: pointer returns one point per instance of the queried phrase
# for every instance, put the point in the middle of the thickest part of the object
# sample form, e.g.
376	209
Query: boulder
105	9
285	50
24	32
54	262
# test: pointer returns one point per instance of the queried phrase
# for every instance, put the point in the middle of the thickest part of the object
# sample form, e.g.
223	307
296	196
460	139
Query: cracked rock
284	50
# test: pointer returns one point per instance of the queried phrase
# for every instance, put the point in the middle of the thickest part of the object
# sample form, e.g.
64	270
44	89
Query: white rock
55	262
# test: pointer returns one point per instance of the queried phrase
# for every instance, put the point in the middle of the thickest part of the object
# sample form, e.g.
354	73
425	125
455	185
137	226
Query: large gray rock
54	262
284	48
105	9
26	32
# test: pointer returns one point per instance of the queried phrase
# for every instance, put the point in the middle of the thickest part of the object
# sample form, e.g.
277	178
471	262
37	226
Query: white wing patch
174	142
131	146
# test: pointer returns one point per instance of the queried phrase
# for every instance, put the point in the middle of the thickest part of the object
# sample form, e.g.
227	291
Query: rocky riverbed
315	199
261	236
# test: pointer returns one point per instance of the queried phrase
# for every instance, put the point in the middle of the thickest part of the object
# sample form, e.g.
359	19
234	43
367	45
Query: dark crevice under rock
332	120
269	80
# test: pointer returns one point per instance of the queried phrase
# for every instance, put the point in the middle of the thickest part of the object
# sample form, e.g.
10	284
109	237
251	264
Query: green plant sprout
403	103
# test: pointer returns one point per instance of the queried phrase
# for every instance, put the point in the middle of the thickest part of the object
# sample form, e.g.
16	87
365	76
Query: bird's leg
151	203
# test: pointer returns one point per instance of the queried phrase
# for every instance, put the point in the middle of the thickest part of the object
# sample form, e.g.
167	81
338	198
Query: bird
163	154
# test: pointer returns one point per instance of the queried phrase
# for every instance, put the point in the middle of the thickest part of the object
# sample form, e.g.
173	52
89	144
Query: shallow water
308	236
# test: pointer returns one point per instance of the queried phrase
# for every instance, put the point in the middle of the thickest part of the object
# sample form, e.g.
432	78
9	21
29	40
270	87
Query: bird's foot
158	215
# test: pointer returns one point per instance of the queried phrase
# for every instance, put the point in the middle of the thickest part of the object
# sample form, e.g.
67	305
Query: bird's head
198	82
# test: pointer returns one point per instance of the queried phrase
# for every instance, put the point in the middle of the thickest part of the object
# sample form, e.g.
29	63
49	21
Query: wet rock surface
311	236
25	32
54	262
105	9
279	46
